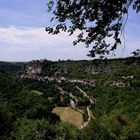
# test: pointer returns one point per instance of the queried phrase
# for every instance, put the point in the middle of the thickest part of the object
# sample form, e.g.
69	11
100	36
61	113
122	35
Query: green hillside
79	100
12	68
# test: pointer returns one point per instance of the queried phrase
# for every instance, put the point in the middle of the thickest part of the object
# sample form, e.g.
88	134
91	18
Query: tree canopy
96	21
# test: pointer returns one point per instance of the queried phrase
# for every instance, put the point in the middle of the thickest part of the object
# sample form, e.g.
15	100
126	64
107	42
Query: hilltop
112	71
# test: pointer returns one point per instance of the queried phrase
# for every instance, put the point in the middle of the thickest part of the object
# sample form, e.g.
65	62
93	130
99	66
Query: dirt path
70	80
70	94
90	115
85	95
89	119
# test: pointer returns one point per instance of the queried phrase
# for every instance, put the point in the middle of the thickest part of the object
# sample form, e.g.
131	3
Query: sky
23	36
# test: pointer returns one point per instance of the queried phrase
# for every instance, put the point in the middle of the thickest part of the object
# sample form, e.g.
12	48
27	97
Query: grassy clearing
37	92
69	115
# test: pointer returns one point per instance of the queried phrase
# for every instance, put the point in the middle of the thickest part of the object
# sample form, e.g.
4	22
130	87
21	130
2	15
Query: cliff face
116	72
97	69
78	69
31	69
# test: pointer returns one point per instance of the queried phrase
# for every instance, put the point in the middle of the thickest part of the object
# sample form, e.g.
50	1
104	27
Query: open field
69	115
37	92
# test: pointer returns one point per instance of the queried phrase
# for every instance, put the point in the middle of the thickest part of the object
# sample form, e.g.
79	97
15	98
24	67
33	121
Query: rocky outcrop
33	68
100	68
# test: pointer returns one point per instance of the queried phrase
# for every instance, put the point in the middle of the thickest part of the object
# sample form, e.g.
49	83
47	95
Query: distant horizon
66	59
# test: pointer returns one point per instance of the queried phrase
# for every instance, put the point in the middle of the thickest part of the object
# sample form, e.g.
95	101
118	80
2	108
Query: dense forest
12	67
30	106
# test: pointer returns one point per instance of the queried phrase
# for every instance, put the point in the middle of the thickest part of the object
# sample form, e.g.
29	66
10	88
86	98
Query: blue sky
23	38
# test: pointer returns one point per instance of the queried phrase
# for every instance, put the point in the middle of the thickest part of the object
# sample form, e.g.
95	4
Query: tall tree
95	20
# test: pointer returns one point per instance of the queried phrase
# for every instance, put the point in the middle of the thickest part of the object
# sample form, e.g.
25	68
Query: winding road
90	115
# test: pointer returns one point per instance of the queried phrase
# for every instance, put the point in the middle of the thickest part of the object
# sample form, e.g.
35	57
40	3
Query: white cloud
25	36
35	43
26	43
